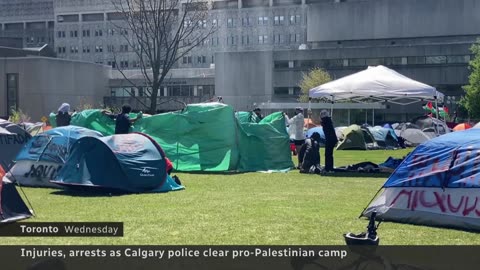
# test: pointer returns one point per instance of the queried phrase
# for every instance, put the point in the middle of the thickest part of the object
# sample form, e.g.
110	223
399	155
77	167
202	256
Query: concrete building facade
39	85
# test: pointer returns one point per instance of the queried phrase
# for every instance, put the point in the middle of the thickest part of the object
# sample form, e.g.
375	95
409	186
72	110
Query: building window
263	20
73	49
61	34
278	20
111	32
99	49
123	32
278	39
231	40
201	59
12	92
230	22
86	49
294	19
436	59
187	59
416	60
61	50
124	48
357	62
86	33
245	40
213	59
110	48
246	21
458	59
123	64
74	33
215	41
113	64
98	33
294	38
214	23
262	39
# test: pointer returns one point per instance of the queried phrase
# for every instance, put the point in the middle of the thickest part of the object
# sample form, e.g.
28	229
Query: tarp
377	82
437	184
356	138
208	137
45	154
125	163
12	139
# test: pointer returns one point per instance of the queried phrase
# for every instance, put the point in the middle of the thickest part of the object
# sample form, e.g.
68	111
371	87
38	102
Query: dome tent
135	163
45	154
12	207
436	185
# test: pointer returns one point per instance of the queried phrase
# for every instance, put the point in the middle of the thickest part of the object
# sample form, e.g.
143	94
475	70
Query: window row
93	33
169	90
97	49
388	61
235	40
200	59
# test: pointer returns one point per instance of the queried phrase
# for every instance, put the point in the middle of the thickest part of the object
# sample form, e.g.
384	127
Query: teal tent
125	163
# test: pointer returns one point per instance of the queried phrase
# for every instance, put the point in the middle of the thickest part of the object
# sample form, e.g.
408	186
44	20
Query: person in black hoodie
309	155
331	139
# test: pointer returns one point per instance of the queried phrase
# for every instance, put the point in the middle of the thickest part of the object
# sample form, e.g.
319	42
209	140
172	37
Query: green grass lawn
251	208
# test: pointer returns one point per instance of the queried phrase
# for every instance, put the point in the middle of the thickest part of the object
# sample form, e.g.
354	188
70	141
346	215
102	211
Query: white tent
376	84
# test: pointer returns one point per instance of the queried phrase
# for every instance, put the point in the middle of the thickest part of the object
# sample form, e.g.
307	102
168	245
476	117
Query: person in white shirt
296	128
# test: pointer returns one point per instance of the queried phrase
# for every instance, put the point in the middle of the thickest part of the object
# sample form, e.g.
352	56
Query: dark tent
12	207
12	140
357	138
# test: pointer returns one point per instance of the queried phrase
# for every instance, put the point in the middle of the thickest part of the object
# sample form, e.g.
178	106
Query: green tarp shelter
208	137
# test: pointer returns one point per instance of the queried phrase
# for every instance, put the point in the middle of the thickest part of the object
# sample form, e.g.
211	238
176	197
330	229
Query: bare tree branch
162	32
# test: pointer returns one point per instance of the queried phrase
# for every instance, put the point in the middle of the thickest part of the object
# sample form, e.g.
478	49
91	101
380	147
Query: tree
471	100
313	78
160	33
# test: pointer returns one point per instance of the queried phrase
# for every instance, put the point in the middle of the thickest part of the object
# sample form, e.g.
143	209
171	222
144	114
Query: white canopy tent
377	84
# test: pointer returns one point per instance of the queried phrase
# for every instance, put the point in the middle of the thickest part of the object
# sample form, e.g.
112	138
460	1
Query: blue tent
124	163
385	137
437	184
44	155
319	130
54	144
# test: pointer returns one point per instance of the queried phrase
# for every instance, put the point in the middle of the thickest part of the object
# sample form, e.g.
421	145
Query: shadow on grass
357	174
90	193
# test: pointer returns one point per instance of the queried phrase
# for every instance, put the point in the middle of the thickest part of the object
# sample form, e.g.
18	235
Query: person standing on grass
331	139
296	128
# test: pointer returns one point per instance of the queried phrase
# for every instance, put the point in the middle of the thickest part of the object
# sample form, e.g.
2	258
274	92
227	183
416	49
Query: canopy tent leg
436	106
331	108
349	117
366	117
373	117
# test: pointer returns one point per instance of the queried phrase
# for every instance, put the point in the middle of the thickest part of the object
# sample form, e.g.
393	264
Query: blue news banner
239	257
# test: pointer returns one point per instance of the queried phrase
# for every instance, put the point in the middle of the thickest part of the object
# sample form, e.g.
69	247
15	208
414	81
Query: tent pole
349	117
309	111
331	108
373	117
436	106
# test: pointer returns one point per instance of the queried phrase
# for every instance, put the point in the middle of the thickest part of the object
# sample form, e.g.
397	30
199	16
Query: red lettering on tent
454	209
415	201
437	202
403	192
467	210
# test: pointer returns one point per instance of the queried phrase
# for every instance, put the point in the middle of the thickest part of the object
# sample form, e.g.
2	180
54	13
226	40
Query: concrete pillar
304	2
24	25
165	91
2	26
290	90
195	90
270	3
240	4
